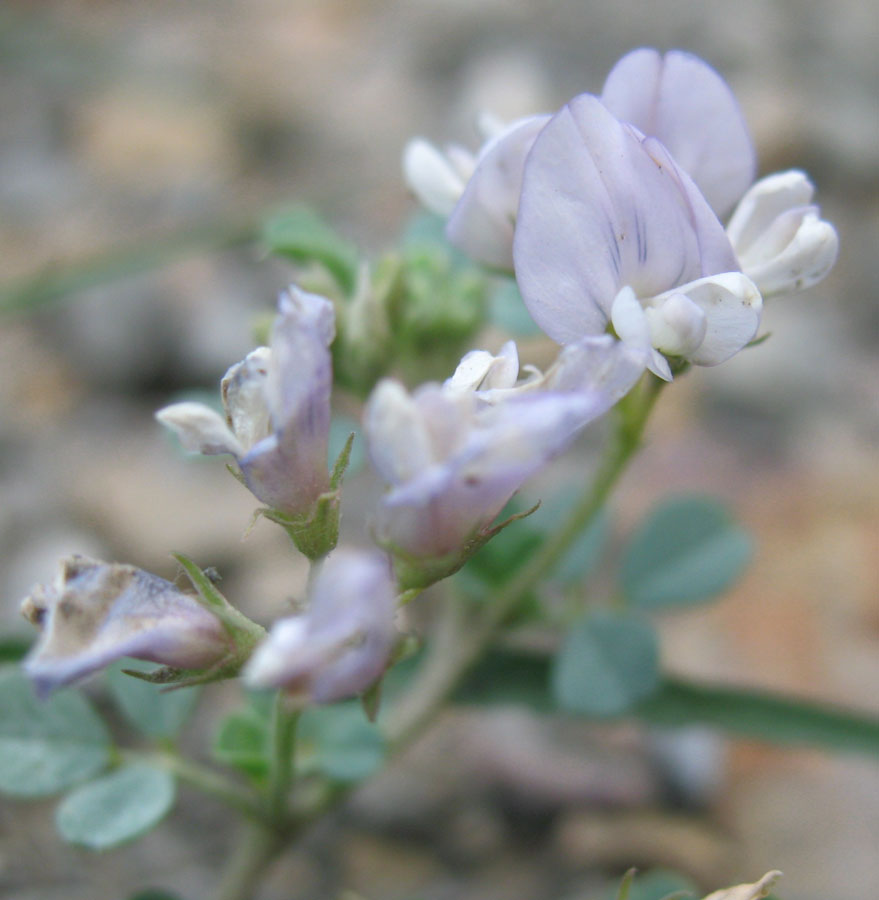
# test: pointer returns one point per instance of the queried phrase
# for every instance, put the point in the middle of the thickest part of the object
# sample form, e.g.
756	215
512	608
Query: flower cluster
611	213
639	241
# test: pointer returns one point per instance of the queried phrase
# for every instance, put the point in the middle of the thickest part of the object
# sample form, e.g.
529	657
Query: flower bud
95	613
781	241
340	645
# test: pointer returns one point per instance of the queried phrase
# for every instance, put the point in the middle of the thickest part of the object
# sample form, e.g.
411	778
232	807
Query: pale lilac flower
482	223
481	211
451	461
781	241
95	613
679	99
611	229
277	404
340	645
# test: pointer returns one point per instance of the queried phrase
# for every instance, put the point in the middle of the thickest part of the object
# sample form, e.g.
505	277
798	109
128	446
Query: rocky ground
122	122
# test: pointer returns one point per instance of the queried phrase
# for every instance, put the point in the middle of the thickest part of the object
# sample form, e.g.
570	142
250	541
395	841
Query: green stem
254	852
205	780
281	768
456	646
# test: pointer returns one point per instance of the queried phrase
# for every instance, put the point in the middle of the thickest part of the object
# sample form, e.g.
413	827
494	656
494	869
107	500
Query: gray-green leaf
46	745
116	808
347	747
607	663
157	713
687	551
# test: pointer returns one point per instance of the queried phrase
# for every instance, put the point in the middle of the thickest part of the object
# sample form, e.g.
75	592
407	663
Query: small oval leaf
116	808
47	745
607	663
687	551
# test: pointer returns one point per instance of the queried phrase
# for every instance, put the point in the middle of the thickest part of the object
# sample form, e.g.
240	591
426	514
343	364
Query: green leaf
762	715
346	747
519	677
47	745
157	713
687	551
304	237
116	808
607	663
242	741
625	887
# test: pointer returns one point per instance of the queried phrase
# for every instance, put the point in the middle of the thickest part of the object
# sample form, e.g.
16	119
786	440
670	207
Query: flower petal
340	646
432	177
781	240
396	435
482	223
598	364
767	199
298	388
631	324
754	891
677	327
480	370
243	389
681	100
732	306
200	428
806	258
96	613
602	209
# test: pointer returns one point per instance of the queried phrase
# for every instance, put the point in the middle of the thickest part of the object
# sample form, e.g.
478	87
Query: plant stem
456	646
207	781
281	766
254	851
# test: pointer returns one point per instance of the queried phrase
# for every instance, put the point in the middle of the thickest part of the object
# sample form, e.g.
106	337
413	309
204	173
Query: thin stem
205	780
281	766
457	645
254	851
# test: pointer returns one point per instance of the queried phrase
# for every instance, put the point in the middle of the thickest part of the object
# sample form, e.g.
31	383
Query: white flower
781	241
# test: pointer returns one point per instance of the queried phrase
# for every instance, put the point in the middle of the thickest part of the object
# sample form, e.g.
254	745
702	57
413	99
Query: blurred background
173	125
